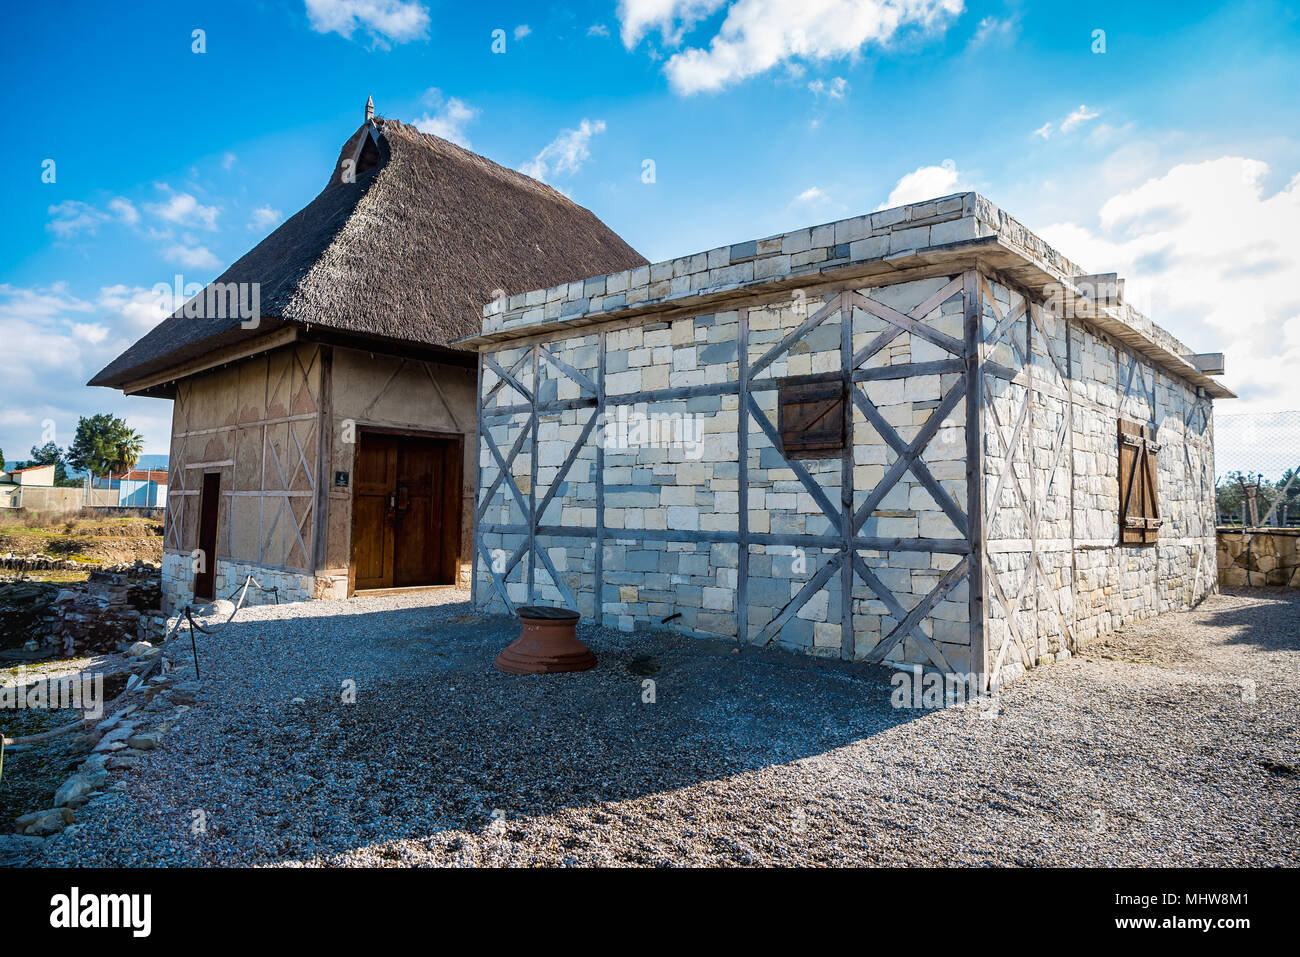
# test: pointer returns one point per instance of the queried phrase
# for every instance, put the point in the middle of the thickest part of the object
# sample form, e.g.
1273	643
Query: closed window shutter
1139	485
1151	487
812	419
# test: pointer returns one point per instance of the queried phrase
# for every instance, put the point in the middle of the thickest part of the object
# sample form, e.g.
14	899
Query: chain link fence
1257	458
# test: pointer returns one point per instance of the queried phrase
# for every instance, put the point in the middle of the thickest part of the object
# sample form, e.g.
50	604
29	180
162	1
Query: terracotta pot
547	644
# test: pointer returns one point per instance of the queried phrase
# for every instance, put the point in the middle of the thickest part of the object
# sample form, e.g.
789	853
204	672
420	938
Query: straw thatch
411	251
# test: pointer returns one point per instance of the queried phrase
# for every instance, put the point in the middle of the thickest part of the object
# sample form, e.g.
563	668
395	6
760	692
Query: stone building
920	436
323	426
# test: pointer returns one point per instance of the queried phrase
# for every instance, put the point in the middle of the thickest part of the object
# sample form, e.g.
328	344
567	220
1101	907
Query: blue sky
1172	157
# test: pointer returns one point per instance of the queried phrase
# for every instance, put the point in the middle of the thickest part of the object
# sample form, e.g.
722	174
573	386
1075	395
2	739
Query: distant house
13	484
39	475
138	488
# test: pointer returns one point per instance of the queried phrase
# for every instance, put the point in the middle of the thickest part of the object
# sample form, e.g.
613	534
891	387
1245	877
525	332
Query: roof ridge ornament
370	108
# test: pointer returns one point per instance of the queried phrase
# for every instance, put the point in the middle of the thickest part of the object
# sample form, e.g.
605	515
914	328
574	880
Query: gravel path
1147	750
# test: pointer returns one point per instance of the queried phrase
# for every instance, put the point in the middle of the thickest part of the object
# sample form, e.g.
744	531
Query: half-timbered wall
715	531
387	393
259	423
1056	572
731	537
256	423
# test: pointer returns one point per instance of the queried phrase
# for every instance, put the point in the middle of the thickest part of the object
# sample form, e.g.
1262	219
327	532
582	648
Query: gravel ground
1146	750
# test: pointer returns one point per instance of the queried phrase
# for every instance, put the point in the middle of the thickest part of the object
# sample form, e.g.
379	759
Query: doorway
209	501
406	504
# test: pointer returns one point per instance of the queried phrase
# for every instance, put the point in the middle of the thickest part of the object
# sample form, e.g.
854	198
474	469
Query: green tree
104	445
51	454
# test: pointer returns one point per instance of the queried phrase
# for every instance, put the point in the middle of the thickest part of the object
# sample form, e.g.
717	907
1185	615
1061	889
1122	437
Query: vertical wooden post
742	481
1035	510
1069	411
847	643
973	322
478	483
532	484
324	459
599	564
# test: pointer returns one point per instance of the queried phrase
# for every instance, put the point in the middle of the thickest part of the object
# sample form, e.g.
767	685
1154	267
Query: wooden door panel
413	558
453	477
406	511
373	515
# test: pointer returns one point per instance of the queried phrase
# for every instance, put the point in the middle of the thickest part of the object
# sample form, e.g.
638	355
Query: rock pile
112	608
38	562
116	606
26	612
115	744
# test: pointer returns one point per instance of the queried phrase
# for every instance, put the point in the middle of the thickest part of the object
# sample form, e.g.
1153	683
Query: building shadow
1270	621
438	739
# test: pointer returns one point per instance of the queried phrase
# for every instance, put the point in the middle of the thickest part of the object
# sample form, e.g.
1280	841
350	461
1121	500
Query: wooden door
374	511
406	511
205	577
415	558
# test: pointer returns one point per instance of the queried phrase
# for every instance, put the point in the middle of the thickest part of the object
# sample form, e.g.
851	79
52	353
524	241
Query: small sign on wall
340	479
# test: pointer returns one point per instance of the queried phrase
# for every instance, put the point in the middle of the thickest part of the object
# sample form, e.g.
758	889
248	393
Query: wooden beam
805	327
972	324
742	481
847	643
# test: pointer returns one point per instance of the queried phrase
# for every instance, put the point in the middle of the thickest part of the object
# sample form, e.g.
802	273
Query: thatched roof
410	251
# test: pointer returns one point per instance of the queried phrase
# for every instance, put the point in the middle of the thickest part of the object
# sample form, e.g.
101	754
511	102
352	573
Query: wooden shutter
812	419
1139	485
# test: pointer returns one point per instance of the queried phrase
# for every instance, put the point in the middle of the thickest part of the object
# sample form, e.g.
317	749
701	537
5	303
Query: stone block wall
940	314
1054	523
1272	558
663	472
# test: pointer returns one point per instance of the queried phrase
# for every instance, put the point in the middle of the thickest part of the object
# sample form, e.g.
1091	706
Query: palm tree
127	447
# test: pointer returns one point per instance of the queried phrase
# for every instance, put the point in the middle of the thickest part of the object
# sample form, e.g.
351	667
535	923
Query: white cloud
264	217
124	210
72	217
1077	118
522	31
193	257
140	309
994	30
448	117
758	35
813	194
672	18
925	182
54	342
1207	254
383	20
598	30
836	89
228	160
1074	120
183	209
564	154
